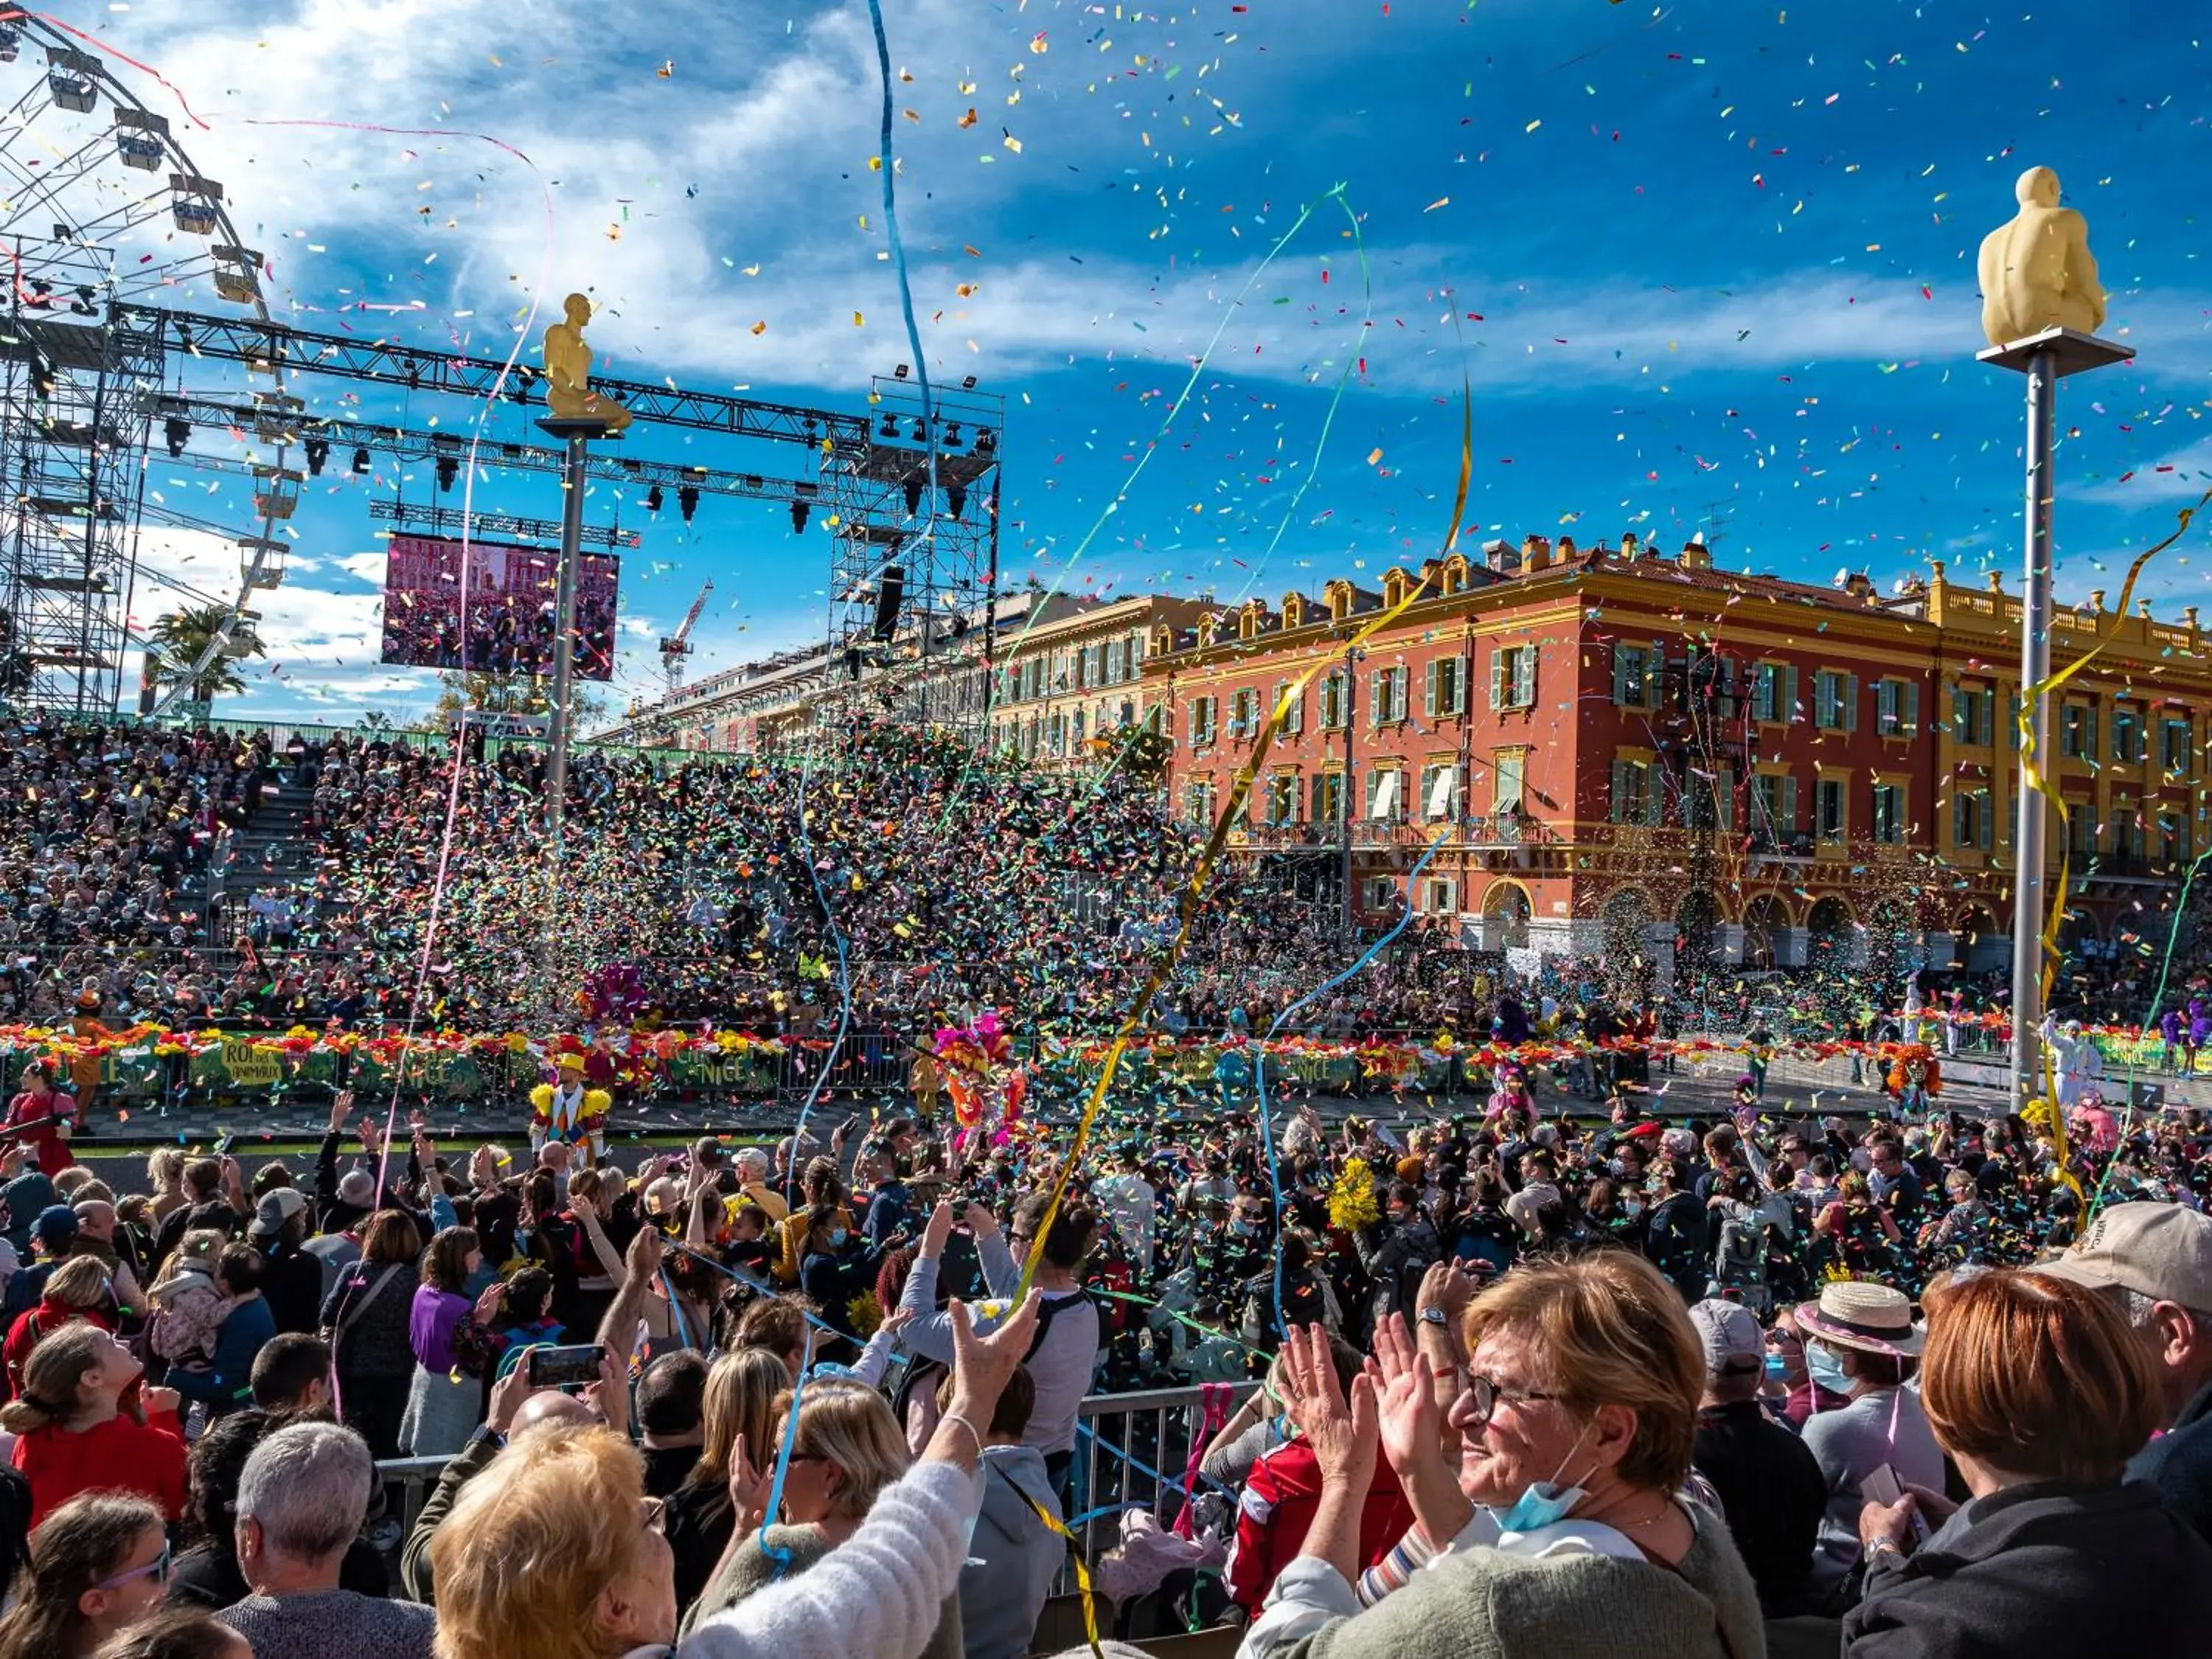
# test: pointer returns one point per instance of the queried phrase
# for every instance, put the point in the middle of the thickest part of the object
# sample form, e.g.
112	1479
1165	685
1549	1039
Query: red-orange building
1616	748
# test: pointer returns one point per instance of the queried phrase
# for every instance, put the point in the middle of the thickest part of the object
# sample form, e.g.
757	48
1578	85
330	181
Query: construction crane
674	647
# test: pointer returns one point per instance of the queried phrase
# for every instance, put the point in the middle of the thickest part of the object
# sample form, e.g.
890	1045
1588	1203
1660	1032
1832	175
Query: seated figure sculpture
568	394
2036	271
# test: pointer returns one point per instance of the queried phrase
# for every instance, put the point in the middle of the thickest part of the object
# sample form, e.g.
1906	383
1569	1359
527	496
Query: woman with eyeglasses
1548	1516
98	1564
83	1423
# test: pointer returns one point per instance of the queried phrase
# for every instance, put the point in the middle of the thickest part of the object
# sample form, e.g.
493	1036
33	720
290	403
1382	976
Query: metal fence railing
1131	1453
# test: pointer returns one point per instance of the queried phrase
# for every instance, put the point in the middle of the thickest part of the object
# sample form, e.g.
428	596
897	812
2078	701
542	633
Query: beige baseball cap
2163	1251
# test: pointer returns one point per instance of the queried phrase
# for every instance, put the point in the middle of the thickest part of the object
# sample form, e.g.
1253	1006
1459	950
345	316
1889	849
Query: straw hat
1856	1313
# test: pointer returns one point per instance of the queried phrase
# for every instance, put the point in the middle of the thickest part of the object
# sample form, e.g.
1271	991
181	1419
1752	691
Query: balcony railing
1478	831
1768	844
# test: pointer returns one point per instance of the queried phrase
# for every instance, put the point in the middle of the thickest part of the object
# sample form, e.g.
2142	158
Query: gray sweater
1013	1557
1061	1366
331	1625
1484	1603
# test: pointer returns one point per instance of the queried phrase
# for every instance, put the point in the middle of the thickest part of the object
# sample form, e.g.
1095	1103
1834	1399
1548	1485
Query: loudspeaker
888	597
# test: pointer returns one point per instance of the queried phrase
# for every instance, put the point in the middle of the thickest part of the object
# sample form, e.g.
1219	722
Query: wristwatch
1433	1315
1875	1548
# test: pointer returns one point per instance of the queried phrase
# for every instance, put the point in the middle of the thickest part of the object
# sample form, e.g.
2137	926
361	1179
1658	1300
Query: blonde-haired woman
845	1450
572	1503
75	1432
739	1406
1552	1520
165	1173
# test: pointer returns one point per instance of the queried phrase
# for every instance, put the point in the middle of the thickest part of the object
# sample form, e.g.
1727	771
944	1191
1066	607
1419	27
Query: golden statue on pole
2036	271
568	394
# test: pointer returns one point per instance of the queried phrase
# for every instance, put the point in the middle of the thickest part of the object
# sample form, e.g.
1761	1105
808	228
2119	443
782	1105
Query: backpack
1740	1258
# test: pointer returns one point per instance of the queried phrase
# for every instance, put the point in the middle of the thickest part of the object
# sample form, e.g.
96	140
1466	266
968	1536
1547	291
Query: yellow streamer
1240	792
2031	774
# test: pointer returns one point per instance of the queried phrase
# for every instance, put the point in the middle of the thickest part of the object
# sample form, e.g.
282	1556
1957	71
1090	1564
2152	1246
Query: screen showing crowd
504	624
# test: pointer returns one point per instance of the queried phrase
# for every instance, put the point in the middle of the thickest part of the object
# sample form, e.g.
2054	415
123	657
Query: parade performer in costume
1915	1077
571	1113
976	1065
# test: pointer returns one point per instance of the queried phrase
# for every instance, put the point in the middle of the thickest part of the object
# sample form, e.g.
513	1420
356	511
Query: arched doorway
1506	909
1889	937
1696	935
1979	945
1764	918
1626	915
1828	941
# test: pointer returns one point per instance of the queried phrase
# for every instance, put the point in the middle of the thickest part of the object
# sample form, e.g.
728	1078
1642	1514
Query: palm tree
182	637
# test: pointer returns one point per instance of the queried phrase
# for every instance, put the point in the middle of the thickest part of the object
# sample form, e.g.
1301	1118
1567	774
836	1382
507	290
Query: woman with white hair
753	1169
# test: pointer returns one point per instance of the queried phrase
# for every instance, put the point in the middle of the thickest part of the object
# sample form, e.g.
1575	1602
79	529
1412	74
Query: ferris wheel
103	216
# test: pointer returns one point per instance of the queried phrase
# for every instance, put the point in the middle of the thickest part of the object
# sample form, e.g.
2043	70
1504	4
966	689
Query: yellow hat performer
571	1113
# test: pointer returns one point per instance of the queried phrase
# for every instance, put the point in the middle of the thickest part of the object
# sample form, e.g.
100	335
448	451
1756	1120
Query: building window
1294	713
1971	819
2127	737
1198	803
1381	892
1333	700
2173	747
1896	707
1202	712
1829	807
1126	716
1328	797
1509	779
2077	731
1441	896
1447	690
1835	701
1973	715
1889	814
1765	690
1244	712
1283	798
1386	693
1774	806
1385	794
2173	838
1078	728
1439	789
1636	794
1632	676
1513	677
2081	830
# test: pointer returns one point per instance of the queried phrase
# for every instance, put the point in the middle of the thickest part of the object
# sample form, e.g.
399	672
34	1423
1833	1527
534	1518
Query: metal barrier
1131	1452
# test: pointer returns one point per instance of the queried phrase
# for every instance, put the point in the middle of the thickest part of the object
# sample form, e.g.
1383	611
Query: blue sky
1702	263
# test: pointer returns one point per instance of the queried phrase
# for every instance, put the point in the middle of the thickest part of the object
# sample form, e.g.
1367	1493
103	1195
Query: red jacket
49	1150
23	1335
121	1454
1277	1510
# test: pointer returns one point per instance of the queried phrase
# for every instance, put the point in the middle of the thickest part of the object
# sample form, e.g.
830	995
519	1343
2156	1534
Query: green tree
510	694
182	637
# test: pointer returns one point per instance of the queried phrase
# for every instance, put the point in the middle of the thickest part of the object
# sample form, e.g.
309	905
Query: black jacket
2051	1569
2179	1464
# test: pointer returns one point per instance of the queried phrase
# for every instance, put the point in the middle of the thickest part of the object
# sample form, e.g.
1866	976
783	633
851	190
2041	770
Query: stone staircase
273	852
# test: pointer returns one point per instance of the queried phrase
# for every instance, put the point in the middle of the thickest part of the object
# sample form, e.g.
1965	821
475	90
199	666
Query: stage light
176	432
687	501
952	434
913	497
901	372
956	497
967	383
653	499
920	430
798	512
891	425
319	451
361	460
449	469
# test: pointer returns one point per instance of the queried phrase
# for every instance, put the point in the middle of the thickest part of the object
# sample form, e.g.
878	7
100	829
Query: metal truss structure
914	568
100	208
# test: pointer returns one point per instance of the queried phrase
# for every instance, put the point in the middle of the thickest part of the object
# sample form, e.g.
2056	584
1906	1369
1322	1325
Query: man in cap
53	1237
2154	1262
1770	1489
291	1280
569	1111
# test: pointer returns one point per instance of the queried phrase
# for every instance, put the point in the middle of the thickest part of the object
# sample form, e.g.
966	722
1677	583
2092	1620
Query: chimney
2189	615
1567	548
1695	556
1628	546
1535	553
2097	600
1499	553
1859	584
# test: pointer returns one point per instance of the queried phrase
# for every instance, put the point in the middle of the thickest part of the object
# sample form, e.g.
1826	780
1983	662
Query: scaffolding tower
913	567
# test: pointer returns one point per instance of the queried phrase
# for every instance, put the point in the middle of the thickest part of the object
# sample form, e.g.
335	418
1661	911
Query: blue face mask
1546	1503
838	1237
1825	1369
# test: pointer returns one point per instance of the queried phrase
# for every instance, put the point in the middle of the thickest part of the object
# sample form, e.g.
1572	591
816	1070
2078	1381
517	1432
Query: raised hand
1344	1433
938	1230
983	1364
1412	1416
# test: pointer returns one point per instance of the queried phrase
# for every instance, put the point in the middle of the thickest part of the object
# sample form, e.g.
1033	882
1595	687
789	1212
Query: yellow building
1070	679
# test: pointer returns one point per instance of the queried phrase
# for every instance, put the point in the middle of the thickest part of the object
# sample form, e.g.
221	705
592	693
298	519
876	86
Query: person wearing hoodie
1017	1549
227	1383
2038	1391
